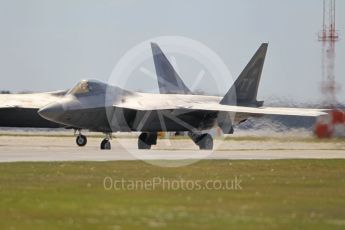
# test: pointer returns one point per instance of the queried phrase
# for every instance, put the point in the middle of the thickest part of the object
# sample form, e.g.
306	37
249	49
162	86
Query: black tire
143	145
105	145
81	140
142	142
206	142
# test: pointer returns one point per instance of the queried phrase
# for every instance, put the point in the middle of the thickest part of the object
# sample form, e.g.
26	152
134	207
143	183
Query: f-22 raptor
96	106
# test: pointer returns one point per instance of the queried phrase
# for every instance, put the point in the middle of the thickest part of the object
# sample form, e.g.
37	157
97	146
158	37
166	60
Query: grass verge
285	194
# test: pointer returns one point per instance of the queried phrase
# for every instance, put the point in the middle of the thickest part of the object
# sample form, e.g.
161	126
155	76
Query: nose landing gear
81	140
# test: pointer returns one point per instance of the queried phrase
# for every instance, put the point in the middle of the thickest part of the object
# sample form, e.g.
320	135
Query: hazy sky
49	45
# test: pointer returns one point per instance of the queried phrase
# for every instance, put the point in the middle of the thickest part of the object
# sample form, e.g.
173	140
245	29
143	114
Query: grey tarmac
63	148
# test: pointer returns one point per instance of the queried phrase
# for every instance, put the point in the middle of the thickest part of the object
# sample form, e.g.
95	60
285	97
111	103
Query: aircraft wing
30	100
185	105
20	110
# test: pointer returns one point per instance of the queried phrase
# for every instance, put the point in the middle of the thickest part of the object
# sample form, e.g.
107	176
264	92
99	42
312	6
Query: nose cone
52	111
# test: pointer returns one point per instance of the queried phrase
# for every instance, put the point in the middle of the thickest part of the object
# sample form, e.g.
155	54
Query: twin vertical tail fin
169	81
242	93
245	89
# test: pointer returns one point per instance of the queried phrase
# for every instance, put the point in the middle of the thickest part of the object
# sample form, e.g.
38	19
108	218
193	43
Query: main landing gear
105	144
204	141
145	140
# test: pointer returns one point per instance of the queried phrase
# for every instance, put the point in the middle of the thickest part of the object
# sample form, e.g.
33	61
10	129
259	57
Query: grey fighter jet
96	106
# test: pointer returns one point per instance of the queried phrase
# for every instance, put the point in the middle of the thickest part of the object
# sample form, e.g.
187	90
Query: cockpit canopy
85	87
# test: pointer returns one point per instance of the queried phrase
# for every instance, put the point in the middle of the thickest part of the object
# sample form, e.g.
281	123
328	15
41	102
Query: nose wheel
81	140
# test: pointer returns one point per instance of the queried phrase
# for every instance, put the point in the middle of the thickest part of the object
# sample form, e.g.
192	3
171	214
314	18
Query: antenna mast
328	36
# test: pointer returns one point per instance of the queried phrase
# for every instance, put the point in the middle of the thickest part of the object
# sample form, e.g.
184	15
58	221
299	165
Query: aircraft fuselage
97	111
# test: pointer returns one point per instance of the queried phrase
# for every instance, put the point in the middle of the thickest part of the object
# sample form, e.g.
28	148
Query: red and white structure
334	123
328	36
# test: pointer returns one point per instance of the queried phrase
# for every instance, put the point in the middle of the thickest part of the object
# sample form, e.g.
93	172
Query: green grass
284	194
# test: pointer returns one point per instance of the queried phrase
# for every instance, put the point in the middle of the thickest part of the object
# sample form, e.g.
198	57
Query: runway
63	148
